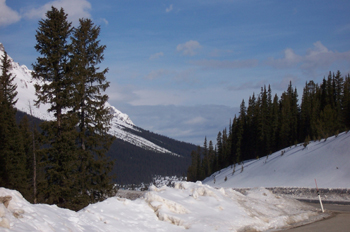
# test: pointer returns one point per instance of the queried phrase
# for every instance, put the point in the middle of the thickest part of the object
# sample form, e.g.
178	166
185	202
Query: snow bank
191	206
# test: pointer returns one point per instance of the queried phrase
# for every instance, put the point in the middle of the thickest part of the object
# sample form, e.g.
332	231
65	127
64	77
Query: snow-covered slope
26	97
327	161
188	206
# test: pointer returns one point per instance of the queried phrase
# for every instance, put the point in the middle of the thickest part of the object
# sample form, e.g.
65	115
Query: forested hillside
269	123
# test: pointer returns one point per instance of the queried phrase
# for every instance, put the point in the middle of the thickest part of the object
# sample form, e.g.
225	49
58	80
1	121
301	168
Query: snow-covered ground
188	206
326	161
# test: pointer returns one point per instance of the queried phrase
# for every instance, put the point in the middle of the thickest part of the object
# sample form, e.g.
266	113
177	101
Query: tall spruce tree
91	110
57	89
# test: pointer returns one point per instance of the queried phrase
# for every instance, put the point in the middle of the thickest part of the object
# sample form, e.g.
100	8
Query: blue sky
181	68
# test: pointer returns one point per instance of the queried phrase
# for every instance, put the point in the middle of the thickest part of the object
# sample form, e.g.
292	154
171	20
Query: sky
181	68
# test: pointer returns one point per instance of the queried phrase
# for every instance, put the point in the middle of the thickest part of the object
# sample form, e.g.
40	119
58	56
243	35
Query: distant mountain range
139	154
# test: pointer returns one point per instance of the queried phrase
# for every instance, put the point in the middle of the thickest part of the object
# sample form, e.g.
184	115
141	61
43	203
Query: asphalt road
338	222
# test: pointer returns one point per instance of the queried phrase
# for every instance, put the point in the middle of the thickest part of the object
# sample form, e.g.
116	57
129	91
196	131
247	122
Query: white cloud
75	9
321	57
189	48
7	15
156	56
105	21
318	57
170	8
290	59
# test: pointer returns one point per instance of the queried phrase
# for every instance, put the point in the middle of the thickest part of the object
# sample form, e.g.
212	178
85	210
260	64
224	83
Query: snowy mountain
120	121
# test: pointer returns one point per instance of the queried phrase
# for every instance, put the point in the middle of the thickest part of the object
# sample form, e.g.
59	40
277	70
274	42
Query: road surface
338	222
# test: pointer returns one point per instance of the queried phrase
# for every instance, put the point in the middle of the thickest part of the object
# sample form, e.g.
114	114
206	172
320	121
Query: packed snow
25	103
187	206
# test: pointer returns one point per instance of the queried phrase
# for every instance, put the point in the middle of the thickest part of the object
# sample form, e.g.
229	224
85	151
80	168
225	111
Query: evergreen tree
289	117
346	103
30	141
264	123
220	153
234	140
275	119
212	158
251	134
206	158
53	67
57	89
193	172
12	159
338	92
91	110
225	148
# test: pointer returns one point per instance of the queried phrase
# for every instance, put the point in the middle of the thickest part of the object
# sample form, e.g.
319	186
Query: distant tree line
270	123
64	164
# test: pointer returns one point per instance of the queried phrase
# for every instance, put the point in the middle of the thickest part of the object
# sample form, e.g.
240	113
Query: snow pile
327	161
25	103
191	206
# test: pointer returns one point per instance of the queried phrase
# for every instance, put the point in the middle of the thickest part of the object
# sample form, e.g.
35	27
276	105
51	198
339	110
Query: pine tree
264	123
57	89
12	159
193	172
346	103
91	110
275	119
30	141
212	158
251	134
53	67
206	158
226	146
338	92
220	153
